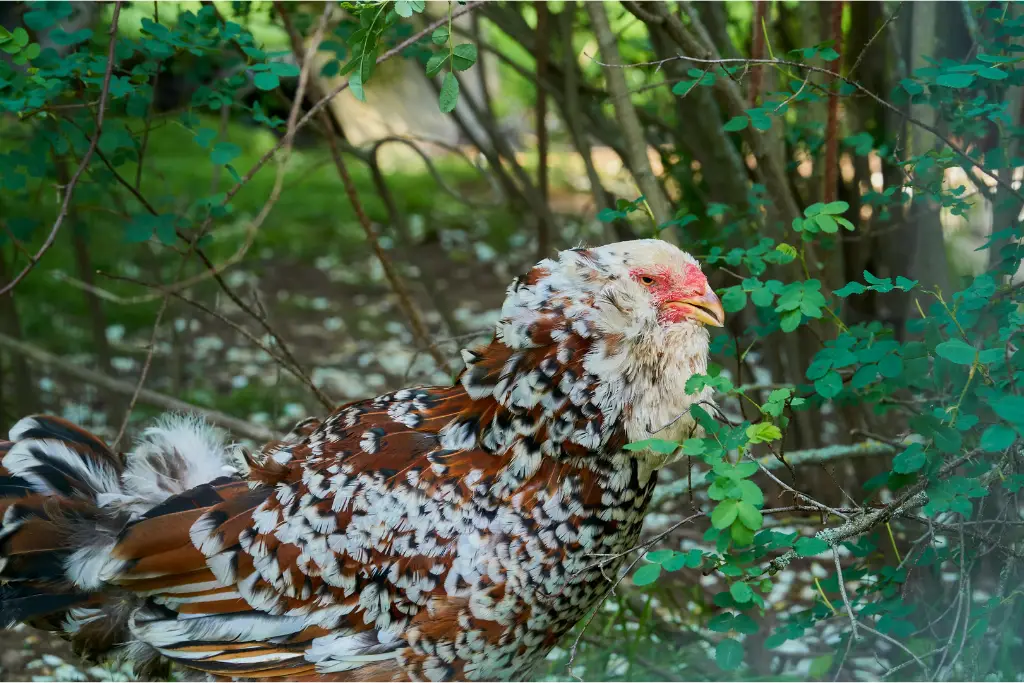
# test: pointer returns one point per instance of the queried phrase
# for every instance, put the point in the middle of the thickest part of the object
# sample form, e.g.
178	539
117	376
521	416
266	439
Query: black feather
22	602
202	496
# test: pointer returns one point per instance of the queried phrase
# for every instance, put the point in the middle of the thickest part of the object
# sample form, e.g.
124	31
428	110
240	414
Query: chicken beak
706	308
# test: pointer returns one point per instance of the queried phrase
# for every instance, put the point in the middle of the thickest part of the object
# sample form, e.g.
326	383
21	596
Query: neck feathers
573	367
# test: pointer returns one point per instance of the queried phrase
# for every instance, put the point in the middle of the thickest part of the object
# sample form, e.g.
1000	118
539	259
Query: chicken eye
646	280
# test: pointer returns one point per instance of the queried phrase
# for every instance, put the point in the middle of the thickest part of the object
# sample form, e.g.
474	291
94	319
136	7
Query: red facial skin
669	285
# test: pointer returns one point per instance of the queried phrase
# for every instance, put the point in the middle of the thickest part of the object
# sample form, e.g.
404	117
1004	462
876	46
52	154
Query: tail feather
66	500
55	457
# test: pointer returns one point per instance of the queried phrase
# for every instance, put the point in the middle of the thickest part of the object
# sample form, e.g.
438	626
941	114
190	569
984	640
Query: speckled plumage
433	533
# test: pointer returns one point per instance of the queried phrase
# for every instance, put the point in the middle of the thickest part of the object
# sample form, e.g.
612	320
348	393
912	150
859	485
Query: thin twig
394	278
241	329
798	494
842	591
881	28
69	191
295	368
914	497
289	138
895	642
150	350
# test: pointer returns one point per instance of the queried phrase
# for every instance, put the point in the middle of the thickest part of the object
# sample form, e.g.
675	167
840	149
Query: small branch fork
409	309
289	138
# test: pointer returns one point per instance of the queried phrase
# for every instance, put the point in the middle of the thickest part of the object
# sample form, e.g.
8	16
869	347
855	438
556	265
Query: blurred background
572	123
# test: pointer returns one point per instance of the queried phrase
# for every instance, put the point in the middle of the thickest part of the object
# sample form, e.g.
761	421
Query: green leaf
204	136
850	288
406	8
809	546
911	86
836	207
449	93
659	556
224	152
284	69
355	84
830	385
864	376
997	438
749	515
845	223
463	56
996	59
265	80
957	351
39	19
736	123
992	73
729	654
911	460
723	488
440	35
763	432
657	445
760	122
724	514
827	223
955	80
435	63
790	321
740	470
1010	408
820	665
646	574
734	299
721	623
61	37
890	366
750	492
741	592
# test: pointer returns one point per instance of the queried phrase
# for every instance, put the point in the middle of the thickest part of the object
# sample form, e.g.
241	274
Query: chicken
434	533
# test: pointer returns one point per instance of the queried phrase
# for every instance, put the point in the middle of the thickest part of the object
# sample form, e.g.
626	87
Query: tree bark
636	144
929	263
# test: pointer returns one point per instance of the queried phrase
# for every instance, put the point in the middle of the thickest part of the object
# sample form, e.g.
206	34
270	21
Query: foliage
935	388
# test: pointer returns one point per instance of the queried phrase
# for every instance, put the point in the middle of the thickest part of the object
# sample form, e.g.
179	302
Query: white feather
92	566
25	455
